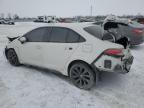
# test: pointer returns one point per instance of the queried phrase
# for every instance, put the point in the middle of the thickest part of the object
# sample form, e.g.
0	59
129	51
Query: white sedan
75	50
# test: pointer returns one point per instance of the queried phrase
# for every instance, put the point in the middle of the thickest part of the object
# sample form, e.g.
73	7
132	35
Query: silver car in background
114	29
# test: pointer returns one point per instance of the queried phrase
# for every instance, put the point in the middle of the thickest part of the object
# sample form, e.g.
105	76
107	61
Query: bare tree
15	17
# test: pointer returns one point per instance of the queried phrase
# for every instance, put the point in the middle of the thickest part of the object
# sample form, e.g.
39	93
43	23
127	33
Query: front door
31	50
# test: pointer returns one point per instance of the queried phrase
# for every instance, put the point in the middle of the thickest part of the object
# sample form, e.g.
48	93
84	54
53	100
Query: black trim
48	40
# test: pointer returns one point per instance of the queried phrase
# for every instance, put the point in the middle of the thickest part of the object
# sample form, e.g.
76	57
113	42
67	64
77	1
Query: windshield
96	31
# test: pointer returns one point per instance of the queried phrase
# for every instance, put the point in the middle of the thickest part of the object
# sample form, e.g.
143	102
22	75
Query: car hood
12	38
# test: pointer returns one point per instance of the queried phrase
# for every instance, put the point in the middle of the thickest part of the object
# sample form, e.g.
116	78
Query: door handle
70	48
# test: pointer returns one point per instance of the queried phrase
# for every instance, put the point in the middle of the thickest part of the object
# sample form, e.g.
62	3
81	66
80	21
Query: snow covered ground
29	87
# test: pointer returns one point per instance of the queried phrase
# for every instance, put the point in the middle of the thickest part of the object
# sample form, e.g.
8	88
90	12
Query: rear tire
12	57
82	76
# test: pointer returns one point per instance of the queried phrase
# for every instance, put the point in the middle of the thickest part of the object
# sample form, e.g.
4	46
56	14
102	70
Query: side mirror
22	39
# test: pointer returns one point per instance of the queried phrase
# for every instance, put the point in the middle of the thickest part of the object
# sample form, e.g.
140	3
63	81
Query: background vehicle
139	20
46	19
7	21
118	28
71	49
1	21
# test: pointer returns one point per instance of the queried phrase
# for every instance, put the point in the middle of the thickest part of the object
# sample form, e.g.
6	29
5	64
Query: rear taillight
138	31
114	52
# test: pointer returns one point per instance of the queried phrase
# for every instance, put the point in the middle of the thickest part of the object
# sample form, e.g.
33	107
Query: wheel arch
77	61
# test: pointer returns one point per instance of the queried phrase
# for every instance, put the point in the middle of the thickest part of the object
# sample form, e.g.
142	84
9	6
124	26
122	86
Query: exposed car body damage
12	38
72	49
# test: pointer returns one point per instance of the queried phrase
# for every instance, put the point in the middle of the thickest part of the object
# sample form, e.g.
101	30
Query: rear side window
36	35
58	34
74	37
96	31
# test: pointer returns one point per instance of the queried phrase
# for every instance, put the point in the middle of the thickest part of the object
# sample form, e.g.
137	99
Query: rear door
60	46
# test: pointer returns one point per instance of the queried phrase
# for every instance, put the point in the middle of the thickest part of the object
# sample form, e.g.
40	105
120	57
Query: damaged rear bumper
116	65
125	67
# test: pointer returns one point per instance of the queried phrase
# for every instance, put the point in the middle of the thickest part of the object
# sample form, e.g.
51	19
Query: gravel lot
29	87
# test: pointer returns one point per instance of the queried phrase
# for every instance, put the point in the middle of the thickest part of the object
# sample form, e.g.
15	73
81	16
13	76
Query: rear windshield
96	31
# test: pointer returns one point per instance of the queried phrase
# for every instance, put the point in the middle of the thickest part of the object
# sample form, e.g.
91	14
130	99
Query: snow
30	87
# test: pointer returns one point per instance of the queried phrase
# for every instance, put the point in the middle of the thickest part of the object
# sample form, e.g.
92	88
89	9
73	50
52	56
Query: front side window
58	34
36	35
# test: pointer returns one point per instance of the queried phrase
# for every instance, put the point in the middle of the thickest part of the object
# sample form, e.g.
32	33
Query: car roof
67	25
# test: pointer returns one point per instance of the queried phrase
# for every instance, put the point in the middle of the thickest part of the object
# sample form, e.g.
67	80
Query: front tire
12	57
82	76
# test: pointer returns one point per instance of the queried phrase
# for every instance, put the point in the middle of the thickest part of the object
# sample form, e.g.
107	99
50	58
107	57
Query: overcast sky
66	8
